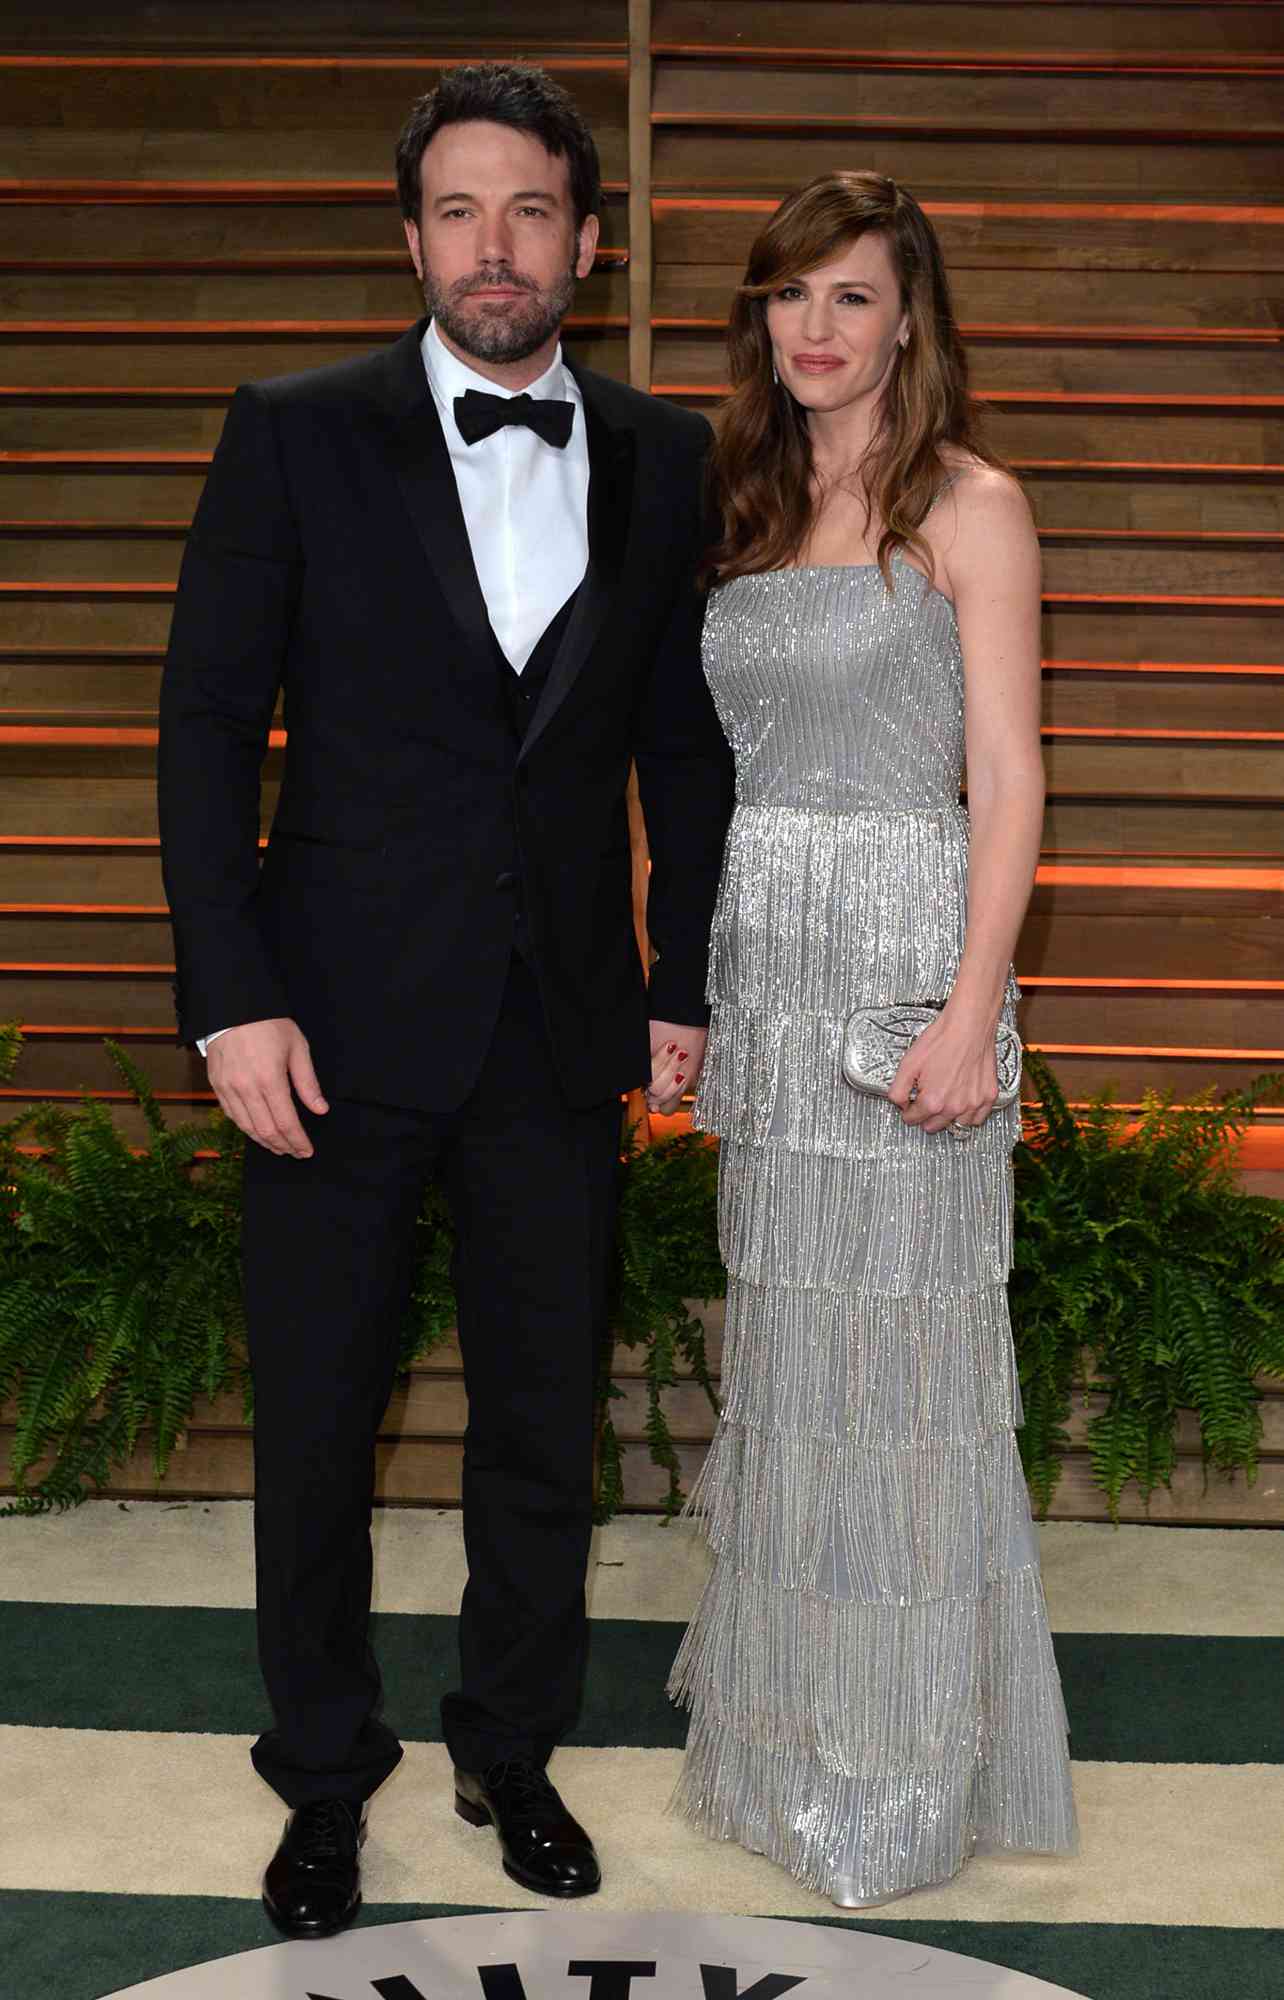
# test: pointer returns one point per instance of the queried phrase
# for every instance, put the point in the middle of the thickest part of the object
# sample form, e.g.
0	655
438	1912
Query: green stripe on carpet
79	1947
1131	1698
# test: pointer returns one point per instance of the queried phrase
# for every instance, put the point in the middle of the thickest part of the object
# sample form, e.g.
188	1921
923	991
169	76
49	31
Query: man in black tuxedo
467	565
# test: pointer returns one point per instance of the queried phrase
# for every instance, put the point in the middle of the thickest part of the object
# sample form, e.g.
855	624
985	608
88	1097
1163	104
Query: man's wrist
205	1042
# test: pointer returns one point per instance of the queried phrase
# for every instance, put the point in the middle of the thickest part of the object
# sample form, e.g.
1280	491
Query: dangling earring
775	374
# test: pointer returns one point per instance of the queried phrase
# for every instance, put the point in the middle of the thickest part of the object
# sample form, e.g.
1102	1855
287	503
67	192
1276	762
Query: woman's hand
677	1055
949	1075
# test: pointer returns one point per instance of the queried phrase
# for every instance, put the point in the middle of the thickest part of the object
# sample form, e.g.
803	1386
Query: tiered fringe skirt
870	1673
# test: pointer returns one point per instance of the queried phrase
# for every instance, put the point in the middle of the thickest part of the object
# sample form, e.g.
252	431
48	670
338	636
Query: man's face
496	247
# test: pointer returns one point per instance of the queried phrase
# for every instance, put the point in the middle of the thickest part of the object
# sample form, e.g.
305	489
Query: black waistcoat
522	691
520	694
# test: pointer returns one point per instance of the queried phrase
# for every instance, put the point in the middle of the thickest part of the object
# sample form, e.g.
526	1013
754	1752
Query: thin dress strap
944	487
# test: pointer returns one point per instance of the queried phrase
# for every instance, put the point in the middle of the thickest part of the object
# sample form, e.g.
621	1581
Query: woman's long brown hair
761	466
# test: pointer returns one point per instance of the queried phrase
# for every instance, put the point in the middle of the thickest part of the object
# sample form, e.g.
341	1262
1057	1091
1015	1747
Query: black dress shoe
312	1887
543	1847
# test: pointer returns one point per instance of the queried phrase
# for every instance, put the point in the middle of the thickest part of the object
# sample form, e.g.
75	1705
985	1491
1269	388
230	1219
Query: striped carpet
132	1830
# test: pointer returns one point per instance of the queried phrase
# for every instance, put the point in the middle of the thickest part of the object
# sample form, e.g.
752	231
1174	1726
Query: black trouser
328	1259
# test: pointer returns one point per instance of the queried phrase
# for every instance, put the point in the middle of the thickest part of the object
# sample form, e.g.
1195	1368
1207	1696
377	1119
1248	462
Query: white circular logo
563	1955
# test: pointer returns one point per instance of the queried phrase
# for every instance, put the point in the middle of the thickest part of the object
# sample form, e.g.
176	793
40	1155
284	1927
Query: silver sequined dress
870	1673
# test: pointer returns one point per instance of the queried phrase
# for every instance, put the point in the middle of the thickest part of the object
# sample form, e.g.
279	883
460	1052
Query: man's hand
676	1056
252	1069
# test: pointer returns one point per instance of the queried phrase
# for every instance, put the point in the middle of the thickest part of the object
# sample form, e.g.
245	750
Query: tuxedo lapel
427	482
612	457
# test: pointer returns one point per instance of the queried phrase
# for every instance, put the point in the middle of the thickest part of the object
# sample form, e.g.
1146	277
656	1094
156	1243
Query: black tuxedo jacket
329	562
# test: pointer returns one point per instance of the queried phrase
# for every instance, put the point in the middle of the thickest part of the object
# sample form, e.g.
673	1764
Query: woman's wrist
977	1006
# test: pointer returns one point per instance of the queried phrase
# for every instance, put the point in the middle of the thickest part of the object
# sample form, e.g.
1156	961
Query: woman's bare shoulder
974	479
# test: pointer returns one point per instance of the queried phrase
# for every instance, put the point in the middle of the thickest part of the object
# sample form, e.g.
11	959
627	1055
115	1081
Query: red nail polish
672	1049
682	1055
679	1077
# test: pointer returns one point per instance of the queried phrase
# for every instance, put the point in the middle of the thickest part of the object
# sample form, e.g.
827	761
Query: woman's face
835	332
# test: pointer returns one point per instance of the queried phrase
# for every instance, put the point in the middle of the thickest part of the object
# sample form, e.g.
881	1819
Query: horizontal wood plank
1069	26
1049	235
261	27
165	156
1147	304
294	96
1043	163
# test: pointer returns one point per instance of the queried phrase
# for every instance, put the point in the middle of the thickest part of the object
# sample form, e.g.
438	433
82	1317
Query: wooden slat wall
188	199
1106	183
193	197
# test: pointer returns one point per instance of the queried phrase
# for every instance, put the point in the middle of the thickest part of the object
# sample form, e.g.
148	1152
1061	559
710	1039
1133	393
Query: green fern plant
119	1300
666	1255
1142	1268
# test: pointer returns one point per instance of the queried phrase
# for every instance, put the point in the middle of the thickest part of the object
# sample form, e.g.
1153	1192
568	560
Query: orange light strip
1213	601
75	1031
84	909
132	843
39	736
1053	664
1054	874
90	738
1048	875
90	461
1029	981
112	655
1128	1050
1082	983
1058	729
82	969
129	843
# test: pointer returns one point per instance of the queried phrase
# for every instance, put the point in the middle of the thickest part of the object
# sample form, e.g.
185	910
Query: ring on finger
960	1131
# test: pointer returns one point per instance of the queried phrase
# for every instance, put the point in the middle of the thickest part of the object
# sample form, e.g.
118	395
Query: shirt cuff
203	1041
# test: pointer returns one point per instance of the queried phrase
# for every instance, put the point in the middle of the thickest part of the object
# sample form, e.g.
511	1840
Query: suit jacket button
504	880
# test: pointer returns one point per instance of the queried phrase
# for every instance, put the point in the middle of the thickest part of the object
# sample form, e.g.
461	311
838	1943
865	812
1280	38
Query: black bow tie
479	416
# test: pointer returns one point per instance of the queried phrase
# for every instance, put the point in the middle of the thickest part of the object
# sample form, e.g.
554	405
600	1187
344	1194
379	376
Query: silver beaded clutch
875	1040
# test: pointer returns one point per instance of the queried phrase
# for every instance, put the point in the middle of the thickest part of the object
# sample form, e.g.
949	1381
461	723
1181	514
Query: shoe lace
323	1830
527	1784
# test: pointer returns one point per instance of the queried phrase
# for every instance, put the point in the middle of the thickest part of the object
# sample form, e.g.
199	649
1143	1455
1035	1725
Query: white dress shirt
525	502
525	506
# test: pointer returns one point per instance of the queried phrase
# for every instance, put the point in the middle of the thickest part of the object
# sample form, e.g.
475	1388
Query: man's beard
514	333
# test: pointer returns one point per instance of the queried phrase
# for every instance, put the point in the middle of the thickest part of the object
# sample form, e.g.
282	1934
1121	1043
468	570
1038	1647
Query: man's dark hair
502	94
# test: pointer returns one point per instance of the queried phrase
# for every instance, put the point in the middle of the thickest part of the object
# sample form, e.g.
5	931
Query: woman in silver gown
870	1675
